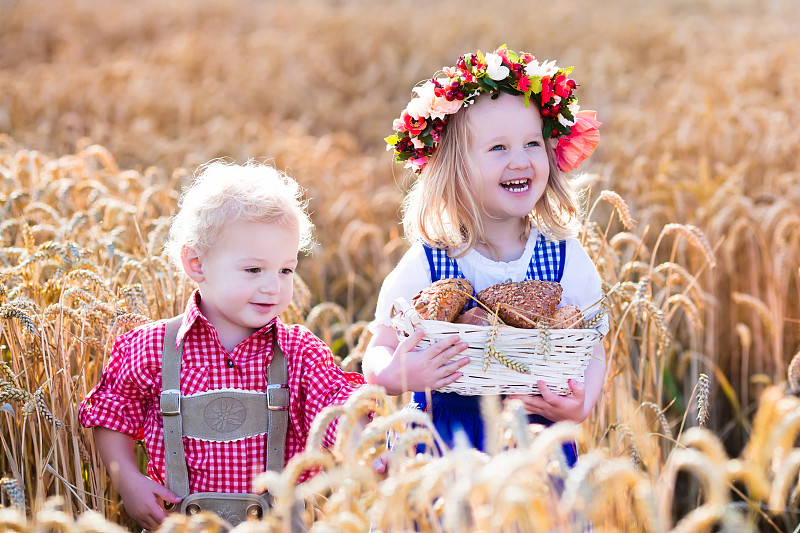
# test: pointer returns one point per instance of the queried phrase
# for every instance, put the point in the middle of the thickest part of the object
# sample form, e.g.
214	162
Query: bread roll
522	302
568	316
443	300
476	316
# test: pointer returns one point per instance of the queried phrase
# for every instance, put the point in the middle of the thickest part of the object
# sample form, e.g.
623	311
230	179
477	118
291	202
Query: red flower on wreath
576	147
547	90
561	88
410	124
523	83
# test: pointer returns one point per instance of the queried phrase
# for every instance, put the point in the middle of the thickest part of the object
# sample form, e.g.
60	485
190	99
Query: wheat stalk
544	337
703	393
623	211
661	417
758	306
688	306
135	298
793	374
13	310
692	234
8	373
41	406
627	434
593	321
640	268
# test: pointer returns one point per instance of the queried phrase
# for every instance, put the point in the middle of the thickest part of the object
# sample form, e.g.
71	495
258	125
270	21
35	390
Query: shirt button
229	363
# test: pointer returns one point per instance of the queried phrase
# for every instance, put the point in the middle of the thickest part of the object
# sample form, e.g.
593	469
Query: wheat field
692	215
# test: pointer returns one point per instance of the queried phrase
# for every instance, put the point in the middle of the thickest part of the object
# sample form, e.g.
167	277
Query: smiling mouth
521	185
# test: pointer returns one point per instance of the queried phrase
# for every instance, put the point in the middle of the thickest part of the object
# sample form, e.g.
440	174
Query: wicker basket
569	353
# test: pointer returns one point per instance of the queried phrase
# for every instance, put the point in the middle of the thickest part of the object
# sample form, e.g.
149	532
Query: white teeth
516	185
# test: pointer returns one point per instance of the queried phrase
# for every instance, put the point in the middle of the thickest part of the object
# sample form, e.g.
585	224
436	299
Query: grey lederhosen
222	415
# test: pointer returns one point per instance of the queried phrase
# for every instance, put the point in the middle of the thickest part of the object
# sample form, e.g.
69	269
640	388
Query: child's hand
380	465
554	407
433	367
142	498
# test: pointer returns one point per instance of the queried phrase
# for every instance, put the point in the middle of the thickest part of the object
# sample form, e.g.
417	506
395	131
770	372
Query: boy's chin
258	324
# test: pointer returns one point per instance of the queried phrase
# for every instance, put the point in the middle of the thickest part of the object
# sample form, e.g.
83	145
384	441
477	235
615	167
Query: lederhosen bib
246	413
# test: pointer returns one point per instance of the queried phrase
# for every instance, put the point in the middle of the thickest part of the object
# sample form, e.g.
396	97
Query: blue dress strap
547	262
431	263
442	266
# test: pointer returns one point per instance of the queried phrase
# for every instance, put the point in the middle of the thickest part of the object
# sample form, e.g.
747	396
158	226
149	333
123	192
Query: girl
489	142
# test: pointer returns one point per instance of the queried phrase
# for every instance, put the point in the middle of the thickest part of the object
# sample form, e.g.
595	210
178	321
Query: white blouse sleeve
411	275
581	281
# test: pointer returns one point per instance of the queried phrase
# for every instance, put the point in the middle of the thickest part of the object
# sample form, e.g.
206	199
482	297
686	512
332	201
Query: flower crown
419	128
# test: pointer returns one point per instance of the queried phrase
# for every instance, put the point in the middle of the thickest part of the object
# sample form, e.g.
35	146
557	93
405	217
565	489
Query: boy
237	235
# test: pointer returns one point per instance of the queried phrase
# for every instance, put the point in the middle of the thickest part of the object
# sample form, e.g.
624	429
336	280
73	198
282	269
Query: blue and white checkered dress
547	262
451	411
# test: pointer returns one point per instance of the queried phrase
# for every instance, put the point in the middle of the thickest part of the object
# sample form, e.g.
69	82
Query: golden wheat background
693	214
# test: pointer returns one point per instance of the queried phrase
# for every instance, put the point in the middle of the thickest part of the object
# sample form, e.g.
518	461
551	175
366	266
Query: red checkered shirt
127	397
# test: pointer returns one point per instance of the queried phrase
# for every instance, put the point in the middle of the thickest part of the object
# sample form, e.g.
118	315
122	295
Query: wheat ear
703	392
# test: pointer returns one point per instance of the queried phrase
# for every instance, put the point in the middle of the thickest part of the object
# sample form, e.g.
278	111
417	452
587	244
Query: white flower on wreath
573	108
495	68
430	105
534	68
421	107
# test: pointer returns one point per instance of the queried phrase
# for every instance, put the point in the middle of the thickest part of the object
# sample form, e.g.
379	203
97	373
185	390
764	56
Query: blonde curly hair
224	192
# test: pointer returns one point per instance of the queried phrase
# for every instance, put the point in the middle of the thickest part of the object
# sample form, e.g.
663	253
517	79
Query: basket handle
405	319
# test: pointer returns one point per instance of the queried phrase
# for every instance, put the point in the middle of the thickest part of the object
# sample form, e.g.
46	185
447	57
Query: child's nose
519	159
270	284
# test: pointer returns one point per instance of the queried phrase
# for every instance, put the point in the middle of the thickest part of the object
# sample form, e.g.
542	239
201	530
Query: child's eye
534	143
287	271
252	270
497	147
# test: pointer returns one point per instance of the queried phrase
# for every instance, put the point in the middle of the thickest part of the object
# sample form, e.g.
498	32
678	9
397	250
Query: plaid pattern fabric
443	266
127	397
547	262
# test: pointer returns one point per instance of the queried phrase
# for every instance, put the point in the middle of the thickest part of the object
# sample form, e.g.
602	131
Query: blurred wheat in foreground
523	486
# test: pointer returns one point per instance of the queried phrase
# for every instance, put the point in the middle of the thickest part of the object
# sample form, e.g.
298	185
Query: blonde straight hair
443	210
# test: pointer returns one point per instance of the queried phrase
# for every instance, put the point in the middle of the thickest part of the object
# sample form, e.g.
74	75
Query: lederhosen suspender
220	415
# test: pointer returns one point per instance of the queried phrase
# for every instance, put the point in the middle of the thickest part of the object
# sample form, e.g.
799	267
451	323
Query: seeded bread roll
568	316
443	300
476	316
522	302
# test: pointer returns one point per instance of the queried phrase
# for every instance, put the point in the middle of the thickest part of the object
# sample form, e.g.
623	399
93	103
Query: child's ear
192	264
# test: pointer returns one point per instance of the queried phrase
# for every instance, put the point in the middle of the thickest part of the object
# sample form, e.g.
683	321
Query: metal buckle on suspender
278	401
170	402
